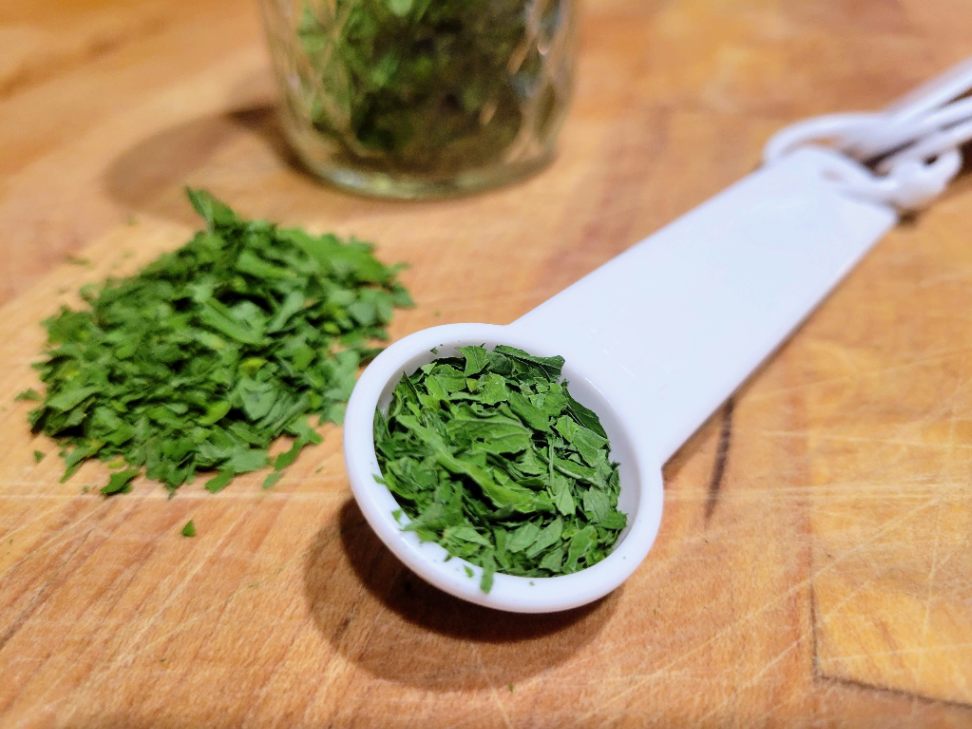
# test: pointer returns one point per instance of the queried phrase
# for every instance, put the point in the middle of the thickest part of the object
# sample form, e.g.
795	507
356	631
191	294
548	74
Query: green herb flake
486	581
119	483
189	530
203	359
39	456
219	482
491	457
30	394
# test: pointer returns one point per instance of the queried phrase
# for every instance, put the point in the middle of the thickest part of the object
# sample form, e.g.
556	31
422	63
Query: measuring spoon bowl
640	477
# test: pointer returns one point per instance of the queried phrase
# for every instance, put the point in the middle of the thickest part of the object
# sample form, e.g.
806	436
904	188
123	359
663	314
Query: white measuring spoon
654	341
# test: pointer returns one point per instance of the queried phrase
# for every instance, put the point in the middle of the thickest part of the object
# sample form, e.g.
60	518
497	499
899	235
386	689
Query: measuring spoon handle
669	329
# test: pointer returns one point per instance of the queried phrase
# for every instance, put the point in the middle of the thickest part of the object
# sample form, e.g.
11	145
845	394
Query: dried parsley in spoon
491	457
204	358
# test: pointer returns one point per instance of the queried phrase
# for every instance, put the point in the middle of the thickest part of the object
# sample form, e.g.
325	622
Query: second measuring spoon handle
668	329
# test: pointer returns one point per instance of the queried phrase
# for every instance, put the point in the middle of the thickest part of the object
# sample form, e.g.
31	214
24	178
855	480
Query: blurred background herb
422	89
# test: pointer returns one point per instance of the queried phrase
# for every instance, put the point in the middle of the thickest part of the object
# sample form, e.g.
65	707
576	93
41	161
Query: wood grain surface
814	563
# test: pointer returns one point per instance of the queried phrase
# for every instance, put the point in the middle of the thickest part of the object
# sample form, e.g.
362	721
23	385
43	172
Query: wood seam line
721	459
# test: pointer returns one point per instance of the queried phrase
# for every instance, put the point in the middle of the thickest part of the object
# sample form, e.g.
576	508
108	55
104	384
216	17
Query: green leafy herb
29	394
205	357
429	86
39	456
491	457
189	530
119	483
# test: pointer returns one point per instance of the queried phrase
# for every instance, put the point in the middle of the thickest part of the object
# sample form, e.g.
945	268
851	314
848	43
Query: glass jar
420	98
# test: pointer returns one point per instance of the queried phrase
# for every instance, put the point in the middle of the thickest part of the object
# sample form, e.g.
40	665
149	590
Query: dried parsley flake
491	457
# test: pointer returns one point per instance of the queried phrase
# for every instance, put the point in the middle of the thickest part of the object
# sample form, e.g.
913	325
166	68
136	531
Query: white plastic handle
673	325
916	141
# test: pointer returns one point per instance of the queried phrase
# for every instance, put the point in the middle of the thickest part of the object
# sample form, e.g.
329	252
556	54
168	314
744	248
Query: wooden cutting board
814	564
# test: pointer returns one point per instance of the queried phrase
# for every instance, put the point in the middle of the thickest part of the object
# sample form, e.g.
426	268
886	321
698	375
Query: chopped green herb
491	457
39	456
189	530
220	481
119	483
204	358
486	581
29	394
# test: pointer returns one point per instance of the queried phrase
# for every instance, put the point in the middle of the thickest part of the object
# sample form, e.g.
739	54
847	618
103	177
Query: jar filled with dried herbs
419	98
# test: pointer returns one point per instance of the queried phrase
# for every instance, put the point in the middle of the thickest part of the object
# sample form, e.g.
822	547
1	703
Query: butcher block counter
813	565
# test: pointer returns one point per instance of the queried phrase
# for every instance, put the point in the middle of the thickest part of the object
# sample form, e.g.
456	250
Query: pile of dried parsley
205	357
491	457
